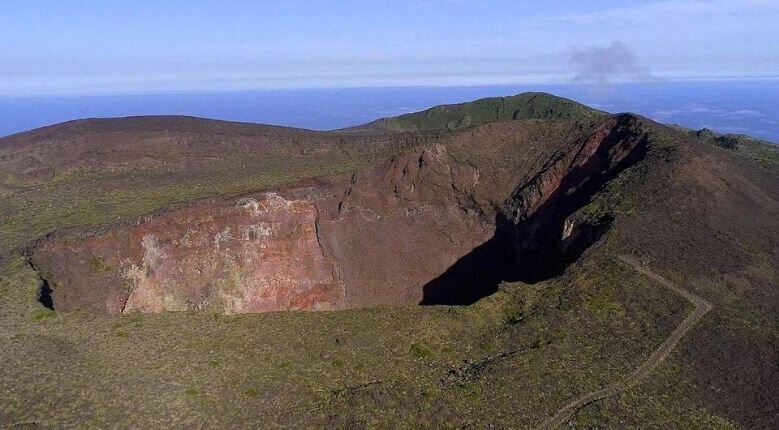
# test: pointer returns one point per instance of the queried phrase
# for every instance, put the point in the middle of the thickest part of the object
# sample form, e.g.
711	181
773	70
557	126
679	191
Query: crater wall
440	224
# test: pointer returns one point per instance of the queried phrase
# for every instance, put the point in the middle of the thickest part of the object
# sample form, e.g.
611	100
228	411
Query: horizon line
163	92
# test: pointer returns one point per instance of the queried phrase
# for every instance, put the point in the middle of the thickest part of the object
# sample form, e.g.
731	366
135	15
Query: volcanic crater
442	223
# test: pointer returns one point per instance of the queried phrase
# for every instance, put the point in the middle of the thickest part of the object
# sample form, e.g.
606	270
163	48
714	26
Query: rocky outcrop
541	228
403	224
542	221
256	254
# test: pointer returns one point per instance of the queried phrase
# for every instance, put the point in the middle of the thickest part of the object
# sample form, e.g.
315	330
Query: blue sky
53	47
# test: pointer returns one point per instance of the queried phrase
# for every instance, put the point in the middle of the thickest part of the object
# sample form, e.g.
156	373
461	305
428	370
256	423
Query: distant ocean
750	107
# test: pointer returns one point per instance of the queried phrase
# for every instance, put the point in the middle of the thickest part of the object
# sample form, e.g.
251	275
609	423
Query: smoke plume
602	65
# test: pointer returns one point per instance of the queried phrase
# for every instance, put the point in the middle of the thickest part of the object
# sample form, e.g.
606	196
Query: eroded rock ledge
258	254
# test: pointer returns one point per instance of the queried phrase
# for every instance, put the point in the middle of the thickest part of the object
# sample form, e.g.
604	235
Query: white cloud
651	12
450	42
744	113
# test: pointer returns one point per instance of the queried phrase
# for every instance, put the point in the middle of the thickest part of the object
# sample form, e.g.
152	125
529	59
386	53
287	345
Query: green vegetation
98	265
747	146
654	401
758	149
420	351
522	106
41	313
94	197
518	343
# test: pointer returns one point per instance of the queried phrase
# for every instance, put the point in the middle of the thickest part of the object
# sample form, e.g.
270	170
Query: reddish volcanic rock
404	224
254	255
609	145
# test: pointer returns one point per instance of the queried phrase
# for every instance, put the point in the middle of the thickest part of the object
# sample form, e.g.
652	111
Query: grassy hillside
93	172
522	106
742	144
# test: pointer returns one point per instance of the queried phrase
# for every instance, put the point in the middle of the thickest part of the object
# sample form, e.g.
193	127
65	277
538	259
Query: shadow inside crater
501	259
44	295
543	245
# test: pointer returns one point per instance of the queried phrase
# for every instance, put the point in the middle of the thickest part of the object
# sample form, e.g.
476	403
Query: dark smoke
602	65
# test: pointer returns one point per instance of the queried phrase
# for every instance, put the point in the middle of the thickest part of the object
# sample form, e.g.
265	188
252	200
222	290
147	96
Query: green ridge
522	106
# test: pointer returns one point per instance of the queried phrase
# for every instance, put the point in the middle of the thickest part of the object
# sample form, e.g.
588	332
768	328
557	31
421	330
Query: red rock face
260	255
255	255
401	226
602	151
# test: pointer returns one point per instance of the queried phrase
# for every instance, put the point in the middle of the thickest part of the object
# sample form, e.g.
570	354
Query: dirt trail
702	307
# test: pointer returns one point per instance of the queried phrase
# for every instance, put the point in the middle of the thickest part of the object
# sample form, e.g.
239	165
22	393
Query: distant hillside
451	117
749	146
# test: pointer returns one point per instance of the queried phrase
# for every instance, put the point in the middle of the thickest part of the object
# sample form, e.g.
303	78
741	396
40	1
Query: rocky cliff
255	254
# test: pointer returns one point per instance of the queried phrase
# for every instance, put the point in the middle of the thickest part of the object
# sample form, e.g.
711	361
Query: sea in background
746	106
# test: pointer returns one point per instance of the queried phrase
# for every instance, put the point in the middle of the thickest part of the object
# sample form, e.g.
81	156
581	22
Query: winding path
702	307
